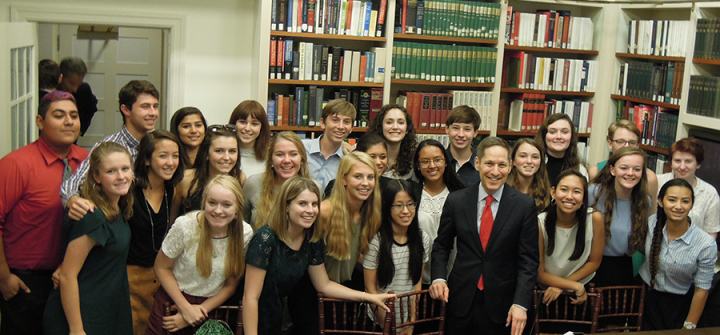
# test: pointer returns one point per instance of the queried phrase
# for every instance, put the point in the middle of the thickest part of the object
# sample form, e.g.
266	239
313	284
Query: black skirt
666	310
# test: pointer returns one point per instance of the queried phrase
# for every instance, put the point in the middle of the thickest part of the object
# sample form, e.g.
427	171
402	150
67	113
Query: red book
417	106
286	110
381	19
348	17
280	118
404	14
363	68
447	106
311	15
590	116
433	111
342	61
280	59
299	16
515	28
273	56
376	101
425	110
566	25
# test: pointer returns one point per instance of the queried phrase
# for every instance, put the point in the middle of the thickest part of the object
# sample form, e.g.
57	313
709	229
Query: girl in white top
437	182
572	239
399	251
202	258
254	135
686	156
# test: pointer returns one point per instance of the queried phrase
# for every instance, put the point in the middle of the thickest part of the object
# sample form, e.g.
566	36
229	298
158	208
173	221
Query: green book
395	60
493	65
305	107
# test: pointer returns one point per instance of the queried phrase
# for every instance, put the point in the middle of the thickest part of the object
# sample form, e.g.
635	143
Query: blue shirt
621	223
686	260
321	169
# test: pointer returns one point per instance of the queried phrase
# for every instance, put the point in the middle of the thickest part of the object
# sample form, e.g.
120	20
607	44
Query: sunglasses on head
228	127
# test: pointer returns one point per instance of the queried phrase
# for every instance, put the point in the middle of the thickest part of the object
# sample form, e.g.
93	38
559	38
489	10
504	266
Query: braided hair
657	237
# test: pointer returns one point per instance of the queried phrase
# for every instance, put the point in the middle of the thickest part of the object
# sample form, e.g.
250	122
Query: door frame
176	23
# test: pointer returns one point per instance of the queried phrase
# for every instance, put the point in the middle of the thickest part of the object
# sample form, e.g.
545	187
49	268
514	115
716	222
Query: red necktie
486	223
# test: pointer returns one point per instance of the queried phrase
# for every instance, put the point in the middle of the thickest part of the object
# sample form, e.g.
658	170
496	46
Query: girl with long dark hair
395	125
558	138
254	135
529	174
188	124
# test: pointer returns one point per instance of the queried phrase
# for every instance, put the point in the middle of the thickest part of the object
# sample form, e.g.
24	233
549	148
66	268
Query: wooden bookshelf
443	39
551	50
440	83
706	61
643	101
649	57
322	83
327	36
654	149
505	132
295	128
565	93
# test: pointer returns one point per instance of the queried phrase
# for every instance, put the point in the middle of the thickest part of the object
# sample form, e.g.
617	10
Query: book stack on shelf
427	110
336	17
527	113
449	18
658	37
657	124
658	163
650	81
704	96
304	107
549	29
707	45
311	61
480	101
446	63
525	71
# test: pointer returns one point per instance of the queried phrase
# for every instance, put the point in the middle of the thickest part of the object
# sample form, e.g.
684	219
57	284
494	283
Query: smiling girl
396	126
558	139
680	256
529	174
202	258
217	155
619	192
572	239
281	252
376	148
254	134
93	297
188	124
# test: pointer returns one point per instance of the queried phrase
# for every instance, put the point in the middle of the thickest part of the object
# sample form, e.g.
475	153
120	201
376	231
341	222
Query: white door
18	85
136	53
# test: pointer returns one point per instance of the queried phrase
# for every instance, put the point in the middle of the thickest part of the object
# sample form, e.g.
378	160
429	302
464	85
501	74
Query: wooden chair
360	322
564	314
620	308
222	313
428	312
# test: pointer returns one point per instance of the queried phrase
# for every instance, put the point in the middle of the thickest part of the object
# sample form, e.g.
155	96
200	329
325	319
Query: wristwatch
689	325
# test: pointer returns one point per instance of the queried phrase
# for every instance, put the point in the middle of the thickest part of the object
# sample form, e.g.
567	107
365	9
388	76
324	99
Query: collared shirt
72	186
321	169
686	260
30	208
493	207
467	172
706	207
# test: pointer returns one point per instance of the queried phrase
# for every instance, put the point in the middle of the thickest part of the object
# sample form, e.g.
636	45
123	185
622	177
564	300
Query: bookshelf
611	24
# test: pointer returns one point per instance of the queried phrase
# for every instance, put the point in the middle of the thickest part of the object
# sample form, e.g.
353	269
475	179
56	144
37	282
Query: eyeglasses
399	207
228	127
621	143
425	163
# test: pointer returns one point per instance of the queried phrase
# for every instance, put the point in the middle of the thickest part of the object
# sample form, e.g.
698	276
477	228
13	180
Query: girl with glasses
397	254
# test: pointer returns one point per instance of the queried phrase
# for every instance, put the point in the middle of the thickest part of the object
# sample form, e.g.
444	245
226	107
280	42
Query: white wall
218	49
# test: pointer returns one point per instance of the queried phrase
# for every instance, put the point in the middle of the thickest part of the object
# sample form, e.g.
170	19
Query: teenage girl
188	124
395	125
254	134
529	174
558	139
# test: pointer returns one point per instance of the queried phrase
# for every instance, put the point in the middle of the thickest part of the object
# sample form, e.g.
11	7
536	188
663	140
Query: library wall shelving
611	24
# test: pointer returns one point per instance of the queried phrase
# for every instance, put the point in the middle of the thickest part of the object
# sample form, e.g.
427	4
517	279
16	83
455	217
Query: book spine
288	59
380	32
273	56
310	15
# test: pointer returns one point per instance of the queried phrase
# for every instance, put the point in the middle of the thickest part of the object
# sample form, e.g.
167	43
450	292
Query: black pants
23	313
477	321
614	271
666	310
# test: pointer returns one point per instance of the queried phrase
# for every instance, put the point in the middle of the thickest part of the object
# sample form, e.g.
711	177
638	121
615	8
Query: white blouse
559	263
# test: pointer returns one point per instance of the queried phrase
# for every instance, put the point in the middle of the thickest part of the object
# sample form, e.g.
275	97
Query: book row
704	96
658	37
528	112
450	18
449	63
658	126
707	39
658	163
303	108
524	70
549	29
337	17
650	81
308	61
427	110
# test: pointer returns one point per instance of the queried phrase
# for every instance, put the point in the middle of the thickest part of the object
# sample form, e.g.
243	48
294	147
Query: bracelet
689	325
362	297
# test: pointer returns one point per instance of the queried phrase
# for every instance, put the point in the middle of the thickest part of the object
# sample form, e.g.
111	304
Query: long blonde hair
94	192
234	259
267	190
337	230
278	218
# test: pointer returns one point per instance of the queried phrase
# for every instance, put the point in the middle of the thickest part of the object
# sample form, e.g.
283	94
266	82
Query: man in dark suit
491	283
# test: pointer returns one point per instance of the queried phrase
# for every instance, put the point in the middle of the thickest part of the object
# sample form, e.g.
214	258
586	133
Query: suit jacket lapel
503	214
471	213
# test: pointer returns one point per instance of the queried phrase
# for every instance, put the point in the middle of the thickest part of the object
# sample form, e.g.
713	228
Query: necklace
152	224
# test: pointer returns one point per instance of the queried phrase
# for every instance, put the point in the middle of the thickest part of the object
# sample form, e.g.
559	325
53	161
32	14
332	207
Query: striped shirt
71	186
689	259
706	207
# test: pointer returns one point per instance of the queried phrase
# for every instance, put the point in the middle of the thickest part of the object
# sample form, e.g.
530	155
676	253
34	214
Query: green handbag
214	327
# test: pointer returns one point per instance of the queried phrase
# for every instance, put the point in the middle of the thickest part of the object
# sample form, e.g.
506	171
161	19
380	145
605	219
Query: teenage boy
324	153
31	213
139	105
461	127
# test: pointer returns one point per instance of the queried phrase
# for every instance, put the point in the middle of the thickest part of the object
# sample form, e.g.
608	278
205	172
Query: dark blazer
510	263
